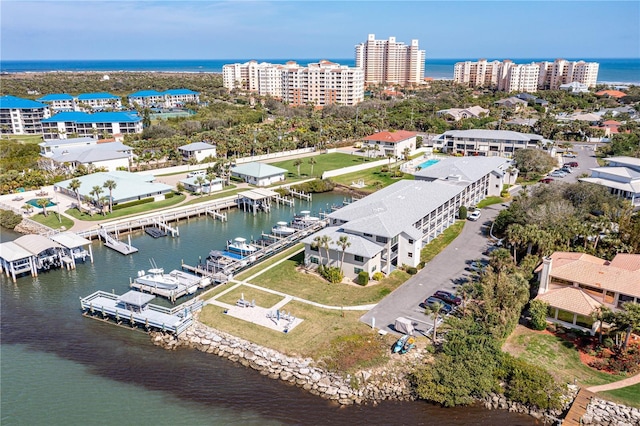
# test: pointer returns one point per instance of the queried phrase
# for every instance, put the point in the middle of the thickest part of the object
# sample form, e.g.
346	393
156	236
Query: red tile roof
611	93
392	137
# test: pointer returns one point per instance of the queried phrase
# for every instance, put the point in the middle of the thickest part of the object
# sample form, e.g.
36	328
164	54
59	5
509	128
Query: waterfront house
63	124
483	142
197	150
383	144
621	176
98	101
87	151
20	116
457	114
191	184
513	103
129	186
575	285
259	174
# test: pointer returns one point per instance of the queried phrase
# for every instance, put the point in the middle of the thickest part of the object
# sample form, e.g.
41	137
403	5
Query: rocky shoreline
369	386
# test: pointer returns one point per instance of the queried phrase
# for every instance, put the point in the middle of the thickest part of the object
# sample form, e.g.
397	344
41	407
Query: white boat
155	277
304	219
282	229
239	246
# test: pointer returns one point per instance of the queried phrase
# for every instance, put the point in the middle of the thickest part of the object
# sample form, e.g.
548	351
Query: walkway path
629	381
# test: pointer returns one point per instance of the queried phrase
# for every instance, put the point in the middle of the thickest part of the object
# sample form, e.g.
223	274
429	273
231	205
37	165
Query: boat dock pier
216	214
133	309
185	284
115	244
284	200
256	199
175	232
299	194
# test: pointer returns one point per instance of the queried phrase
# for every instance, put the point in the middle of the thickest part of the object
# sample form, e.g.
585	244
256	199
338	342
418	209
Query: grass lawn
262	265
373	179
26	139
558	356
489	201
311	338
285	278
51	220
141	208
628	396
262	298
324	162
230	190
432	249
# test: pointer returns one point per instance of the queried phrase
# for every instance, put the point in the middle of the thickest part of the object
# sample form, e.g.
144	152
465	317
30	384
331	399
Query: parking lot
586	159
445	272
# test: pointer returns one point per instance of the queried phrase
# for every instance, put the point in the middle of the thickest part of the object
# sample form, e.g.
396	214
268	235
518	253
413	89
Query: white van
196	173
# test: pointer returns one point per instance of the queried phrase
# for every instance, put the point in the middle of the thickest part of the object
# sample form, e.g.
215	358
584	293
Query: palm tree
406	153
96	191
434	309
110	185
210	178
296	163
200	181
317	242
343	243
28	208
74	186
43	202
103	200
312	162
87	200
325	240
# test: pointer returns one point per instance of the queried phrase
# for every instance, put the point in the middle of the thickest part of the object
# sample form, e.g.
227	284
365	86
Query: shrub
363	278
132	203
530	384
169	195
538	311
462	212
411	270
378	276
316	186
384	169
9	219
333	274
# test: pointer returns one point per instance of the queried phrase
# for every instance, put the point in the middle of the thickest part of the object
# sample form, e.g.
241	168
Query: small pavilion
73	248
29	253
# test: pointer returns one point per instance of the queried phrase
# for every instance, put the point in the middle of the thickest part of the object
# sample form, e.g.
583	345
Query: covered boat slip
34	253
134	308
185	284
260	199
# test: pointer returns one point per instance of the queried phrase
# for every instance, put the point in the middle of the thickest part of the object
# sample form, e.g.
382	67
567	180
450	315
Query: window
381	239
410	254
313	247
368	235
315	260
410	241
358	258
357	270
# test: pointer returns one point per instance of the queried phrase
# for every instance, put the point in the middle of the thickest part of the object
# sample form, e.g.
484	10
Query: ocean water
60	368
623	70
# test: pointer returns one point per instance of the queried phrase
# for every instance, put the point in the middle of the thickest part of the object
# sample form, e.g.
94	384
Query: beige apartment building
510	77
322	83
390	62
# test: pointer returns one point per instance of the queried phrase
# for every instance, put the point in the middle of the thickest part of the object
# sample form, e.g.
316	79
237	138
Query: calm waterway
58	367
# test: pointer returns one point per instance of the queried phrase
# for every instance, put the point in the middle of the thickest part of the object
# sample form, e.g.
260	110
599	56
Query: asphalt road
445	272
586	160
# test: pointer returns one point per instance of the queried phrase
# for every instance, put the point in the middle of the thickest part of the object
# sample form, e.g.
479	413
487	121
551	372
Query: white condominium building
388	61
320	84
509	77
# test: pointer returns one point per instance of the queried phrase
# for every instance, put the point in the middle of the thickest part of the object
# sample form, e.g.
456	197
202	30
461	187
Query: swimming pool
428	163
34	203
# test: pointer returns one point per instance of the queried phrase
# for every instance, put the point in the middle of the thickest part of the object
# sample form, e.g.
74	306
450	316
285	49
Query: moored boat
240	246
282	229
155	277
304	220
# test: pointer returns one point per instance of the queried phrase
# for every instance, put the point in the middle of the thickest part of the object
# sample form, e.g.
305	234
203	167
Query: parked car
474	215
431	301
573	164
196	173
447	297
569	155
546	180
558	173
566	169
477	266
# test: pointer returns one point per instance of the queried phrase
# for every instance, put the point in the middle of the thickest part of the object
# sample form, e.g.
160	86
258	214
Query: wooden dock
299	194
174	231
216	214
186	284
578	408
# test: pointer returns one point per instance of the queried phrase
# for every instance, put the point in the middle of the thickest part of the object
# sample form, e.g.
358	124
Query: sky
239	29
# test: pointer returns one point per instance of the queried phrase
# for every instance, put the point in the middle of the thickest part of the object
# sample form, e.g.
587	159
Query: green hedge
132	203
363	278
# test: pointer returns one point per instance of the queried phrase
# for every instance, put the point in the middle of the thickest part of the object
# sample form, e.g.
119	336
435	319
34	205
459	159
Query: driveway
586	159
445	272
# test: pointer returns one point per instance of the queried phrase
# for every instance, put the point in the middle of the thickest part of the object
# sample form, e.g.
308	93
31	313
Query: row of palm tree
96	191
325	242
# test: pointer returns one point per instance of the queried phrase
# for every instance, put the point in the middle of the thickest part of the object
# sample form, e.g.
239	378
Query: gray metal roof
70	240
136	298
360	246
395	209
71	141
35	244
196	146
468	168
10	251
128	185
258	170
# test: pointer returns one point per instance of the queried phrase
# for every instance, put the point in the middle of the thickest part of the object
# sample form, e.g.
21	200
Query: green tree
343	243
296	163
312	162
74	186
538	312
434	309
628	320
533	161
110	185
42	203
210	178
200	181
96	191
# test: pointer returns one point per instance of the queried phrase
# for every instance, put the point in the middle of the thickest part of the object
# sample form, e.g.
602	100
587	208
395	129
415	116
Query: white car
474	215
